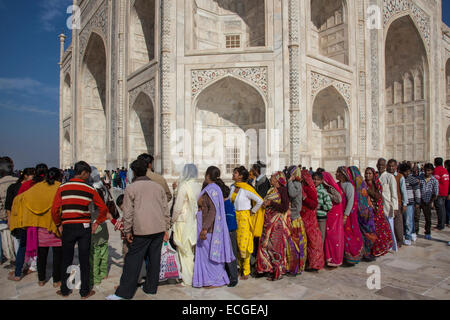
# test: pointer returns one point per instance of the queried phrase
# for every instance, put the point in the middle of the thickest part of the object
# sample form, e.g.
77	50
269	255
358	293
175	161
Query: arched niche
406	113
93	100
142	127
330	129
238	111
142	33
329	29
67	97
221	24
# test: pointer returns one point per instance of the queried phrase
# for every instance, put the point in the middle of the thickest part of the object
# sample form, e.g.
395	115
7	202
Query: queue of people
295	220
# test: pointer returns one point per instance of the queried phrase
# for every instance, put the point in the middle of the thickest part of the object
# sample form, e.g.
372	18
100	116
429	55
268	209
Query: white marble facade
311	82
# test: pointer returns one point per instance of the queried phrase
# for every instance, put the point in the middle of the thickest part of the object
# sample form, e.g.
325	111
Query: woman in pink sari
334	238
352	235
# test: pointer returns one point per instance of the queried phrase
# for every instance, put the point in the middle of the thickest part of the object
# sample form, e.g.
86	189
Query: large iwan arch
93	100
407	95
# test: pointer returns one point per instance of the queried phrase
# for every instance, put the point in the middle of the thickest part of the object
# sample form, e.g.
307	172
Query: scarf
256	220
221	249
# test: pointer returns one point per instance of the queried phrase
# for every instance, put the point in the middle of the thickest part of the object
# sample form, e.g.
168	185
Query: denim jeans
408	219
20	257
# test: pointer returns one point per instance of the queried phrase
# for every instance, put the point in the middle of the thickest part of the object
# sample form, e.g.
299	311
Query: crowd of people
296	220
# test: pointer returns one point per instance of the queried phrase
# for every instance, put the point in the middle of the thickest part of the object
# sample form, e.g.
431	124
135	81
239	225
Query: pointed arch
237	110
329	26
407	114
67	150
142	33
142	126
330	129
93	102
67	96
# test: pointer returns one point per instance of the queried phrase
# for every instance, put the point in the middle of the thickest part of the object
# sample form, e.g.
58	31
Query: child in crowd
325	203
230	214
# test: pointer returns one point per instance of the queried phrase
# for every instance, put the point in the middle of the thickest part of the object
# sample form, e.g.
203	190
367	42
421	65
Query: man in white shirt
390	196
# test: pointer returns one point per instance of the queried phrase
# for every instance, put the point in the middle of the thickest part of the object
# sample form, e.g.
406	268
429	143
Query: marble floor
421	271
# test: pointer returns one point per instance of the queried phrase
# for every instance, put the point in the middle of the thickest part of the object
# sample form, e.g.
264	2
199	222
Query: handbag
170	266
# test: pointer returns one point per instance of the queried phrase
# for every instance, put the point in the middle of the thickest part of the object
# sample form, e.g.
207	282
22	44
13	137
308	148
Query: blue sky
29	78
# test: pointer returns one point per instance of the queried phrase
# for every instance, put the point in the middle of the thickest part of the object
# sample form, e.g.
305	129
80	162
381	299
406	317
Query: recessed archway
142	33
93	99
329	26
447	81
142	127
238	111
407	103
67	97
220	24
447	143
330	129
67	150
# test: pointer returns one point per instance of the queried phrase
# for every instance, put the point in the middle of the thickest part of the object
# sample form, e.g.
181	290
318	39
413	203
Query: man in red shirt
441	174
70	212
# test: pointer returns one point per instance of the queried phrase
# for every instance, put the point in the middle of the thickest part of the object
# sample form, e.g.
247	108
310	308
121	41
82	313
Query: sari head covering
296	172
95	179
190	172
346	172
365	212
281	178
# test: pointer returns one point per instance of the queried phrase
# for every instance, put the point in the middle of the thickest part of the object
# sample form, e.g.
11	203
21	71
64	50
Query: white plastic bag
170	265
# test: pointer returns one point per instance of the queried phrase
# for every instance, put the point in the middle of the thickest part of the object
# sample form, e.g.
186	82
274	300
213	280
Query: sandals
41	283
56	284
12	277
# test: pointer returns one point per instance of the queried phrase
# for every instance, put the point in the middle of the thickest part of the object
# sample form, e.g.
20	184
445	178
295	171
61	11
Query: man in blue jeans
413	193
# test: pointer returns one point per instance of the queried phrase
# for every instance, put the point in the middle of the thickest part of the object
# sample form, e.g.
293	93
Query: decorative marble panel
148	88
394	7
319	82
255	75
98	21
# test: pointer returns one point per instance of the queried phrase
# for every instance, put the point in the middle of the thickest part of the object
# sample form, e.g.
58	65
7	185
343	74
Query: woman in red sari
352	235
315	257
334	238
384	236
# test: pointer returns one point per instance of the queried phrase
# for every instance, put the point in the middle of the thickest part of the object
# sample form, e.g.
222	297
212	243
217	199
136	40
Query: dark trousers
416	219
398	228
140	247
447	208
72	234
426	208
232	267
42	263
21	235
439	203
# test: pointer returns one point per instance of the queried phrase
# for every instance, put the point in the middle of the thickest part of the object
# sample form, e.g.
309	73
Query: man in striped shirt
71	215
429	189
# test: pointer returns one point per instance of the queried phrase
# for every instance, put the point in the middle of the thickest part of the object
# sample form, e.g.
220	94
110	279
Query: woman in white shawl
184	220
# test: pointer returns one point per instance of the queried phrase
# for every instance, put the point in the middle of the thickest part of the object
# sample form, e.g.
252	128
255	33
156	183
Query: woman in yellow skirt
249	217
